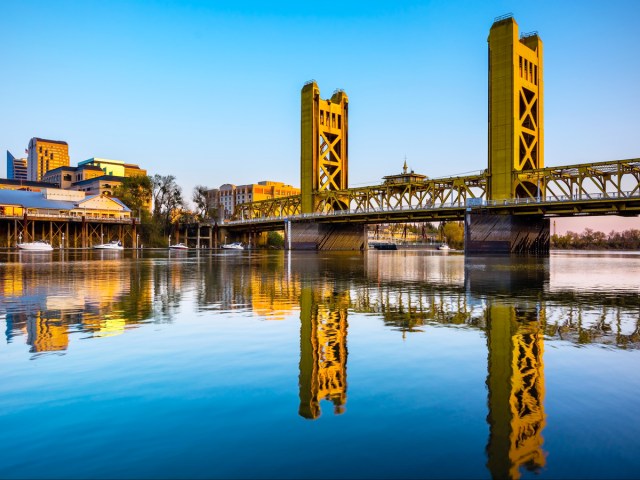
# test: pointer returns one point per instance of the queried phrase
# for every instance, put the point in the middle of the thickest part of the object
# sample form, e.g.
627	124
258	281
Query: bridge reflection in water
512	301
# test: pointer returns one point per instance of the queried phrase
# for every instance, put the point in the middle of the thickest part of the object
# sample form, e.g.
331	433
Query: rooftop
38	139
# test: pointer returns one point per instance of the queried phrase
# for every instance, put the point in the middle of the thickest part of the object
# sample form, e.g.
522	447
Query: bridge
506	208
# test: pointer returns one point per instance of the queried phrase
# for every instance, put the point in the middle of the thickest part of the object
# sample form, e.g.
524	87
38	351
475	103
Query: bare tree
201	201
167	199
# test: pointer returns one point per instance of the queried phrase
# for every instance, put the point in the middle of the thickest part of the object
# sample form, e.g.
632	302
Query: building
16	167
404	177
102	185
229	195
116	168
55	202
67	177
45	155
95	176
27	185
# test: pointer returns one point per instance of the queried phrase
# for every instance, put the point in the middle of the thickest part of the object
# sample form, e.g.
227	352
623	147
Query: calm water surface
272	365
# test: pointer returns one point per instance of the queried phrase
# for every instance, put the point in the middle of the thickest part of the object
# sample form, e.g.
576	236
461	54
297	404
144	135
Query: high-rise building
45	155
16	167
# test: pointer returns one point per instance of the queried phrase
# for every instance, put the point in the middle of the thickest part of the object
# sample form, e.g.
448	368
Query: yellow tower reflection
323	350
516	390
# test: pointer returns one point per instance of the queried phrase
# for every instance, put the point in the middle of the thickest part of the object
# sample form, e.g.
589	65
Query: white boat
113	245
234	246
179	246
443	246
37	246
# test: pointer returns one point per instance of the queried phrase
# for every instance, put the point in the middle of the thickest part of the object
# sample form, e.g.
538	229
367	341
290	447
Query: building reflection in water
47	301
509	299
515	379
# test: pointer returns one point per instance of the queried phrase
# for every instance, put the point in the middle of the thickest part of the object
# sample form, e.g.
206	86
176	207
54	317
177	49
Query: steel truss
570	184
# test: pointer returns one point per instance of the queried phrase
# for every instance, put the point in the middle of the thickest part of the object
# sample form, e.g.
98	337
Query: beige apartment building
229	195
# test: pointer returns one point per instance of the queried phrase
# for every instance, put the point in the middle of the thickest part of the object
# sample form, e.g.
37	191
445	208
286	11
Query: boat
37	246
234	246
179	246
112	245
443	246
383	245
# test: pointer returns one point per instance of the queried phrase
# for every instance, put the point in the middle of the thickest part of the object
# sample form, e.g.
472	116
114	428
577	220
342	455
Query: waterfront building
6	184
55	202
229	195
16	167
45	155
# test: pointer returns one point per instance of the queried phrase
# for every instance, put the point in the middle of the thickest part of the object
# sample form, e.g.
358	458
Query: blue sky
210	91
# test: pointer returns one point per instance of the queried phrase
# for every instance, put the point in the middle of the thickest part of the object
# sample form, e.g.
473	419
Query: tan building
95	176
229	195
45	155
67	177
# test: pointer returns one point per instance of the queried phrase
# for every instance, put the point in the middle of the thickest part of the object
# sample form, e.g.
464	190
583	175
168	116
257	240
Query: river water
406	364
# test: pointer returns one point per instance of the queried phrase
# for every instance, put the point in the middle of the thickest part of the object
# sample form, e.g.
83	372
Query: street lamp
62	243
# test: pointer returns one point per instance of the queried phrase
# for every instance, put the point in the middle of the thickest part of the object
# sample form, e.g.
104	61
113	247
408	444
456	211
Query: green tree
135	192
275	240
453	233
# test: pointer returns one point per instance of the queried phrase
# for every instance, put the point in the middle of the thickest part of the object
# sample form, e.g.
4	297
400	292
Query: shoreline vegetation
595	240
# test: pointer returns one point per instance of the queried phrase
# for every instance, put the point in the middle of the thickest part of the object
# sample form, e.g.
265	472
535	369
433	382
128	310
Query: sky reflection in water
390	364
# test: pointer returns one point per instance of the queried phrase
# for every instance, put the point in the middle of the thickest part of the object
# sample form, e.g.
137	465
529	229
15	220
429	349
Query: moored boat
234	246
113	245
383	245
179	246
443	246
37	246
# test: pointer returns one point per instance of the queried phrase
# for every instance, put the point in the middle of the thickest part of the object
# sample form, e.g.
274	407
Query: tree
201	201
453	233
135	192
167	200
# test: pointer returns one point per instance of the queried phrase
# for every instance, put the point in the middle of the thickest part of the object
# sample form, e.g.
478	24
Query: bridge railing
459	205
572	183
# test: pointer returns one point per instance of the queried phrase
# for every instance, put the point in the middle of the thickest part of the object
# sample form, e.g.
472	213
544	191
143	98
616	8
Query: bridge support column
506	234
322	236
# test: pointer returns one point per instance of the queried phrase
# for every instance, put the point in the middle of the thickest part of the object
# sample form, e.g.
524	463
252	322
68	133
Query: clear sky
209	91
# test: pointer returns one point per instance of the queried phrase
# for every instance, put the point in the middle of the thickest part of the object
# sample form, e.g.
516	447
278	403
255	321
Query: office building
116	168
45	155
16	167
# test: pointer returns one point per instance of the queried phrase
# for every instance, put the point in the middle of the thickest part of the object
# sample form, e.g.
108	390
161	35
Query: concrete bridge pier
324	236
486	233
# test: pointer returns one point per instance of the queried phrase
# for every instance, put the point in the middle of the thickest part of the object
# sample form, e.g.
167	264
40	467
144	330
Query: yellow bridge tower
516	132
323	143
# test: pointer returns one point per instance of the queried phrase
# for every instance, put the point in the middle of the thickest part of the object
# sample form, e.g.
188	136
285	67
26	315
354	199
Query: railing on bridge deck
617	180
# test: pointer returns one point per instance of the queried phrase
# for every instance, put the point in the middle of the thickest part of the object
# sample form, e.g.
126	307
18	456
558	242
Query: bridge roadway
605	188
